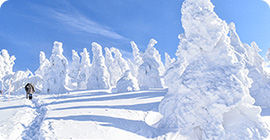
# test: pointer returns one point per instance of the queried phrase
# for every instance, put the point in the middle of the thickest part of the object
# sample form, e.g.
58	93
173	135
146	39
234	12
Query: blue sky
30	26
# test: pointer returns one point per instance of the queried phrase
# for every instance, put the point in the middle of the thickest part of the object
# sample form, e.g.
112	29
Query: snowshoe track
33	130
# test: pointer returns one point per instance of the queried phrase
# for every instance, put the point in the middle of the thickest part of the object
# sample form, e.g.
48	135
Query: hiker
30	89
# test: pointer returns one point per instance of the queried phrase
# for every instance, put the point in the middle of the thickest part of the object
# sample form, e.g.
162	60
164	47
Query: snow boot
30	96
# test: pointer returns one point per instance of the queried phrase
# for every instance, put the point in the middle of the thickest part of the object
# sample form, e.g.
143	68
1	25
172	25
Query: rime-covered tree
149	75
6	63
214	86
56	77
74	70
99	77
85	67
44	64
120	66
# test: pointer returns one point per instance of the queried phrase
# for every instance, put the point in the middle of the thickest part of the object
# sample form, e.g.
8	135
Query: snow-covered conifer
85	67
56	77
74	69
44	64
149	75
99	76
214	87
137	61
109	61
6	63
119	64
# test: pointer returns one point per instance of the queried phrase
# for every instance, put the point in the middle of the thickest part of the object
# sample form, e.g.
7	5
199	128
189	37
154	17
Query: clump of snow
56	76
99	76
168	61
214	86
149	72
127	83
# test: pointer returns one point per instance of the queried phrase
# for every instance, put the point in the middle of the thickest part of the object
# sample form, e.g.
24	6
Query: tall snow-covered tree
137	61
214	87
74	70
85	67
99	77
6	63
149	73
120	66
250	57
56	77
109	61
44	65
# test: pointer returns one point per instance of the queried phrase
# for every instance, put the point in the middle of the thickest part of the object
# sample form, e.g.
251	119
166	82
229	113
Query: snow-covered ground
94	114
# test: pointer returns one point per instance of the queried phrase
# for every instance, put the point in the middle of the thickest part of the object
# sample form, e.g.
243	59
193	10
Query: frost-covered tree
56	77
127	83
149	73
74	69
109	61
6	68
99	77
250	57
260	89
214	87
137	61
120	66
174	72
6	63
85	67
44	65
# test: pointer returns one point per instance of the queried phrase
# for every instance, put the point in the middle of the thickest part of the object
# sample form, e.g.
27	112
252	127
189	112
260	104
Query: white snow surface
93	114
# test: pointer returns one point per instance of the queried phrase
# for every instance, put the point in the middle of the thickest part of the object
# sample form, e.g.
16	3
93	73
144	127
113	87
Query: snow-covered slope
93	114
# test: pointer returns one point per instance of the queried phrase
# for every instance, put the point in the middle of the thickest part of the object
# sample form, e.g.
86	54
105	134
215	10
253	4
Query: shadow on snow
134	126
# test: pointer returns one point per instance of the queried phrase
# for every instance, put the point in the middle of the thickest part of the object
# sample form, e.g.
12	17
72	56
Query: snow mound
127	83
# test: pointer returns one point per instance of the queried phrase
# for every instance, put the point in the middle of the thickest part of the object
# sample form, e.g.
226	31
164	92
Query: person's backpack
29	88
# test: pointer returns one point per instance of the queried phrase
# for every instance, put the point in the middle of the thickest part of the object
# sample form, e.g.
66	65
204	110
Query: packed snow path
82	115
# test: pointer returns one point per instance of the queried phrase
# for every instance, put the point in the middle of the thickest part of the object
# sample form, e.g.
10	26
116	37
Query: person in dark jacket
30	89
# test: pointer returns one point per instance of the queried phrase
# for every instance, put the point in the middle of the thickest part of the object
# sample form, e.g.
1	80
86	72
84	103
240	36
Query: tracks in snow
33	130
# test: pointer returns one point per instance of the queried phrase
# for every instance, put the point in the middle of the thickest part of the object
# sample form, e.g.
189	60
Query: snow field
93	114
